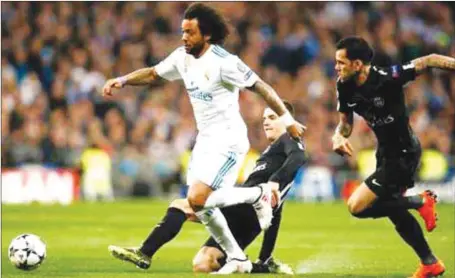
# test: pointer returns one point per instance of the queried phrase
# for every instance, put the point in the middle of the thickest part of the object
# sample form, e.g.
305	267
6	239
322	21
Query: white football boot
263	206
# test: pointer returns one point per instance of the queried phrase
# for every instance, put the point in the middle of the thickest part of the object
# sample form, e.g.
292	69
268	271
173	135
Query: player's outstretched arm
142	76
272	99
344	127
340	142
433	61
270	237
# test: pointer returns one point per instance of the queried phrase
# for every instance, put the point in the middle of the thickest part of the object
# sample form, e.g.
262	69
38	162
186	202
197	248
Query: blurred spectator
57	55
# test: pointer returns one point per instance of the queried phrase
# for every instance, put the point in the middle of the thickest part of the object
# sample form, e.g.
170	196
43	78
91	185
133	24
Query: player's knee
355	207
198	194
196	200
202	267
181	204
203	263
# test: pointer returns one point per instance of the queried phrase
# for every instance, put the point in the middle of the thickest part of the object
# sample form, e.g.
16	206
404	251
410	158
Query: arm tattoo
141	76
434	61
346	123
270	96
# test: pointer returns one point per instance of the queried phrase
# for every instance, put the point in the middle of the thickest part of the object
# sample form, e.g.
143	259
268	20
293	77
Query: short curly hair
211	22
356	48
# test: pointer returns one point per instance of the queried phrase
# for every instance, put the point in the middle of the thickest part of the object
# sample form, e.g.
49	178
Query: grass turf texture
318	240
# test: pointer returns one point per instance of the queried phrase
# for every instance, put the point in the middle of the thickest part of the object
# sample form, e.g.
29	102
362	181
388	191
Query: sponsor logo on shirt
378	102
380	121
260	167
197	94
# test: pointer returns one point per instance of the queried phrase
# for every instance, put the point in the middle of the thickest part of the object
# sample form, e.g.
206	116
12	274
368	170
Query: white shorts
215	167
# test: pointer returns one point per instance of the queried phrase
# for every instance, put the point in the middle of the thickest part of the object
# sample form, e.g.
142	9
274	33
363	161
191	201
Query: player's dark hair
211	22
356	48
289	106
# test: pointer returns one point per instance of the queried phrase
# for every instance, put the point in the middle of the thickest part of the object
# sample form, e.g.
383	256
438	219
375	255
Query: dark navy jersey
278	163
381	102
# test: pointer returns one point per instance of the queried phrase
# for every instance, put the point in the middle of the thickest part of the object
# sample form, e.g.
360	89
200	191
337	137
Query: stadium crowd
56	57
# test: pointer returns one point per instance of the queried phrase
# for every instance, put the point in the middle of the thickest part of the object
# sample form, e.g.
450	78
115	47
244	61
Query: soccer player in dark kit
376	94
277	166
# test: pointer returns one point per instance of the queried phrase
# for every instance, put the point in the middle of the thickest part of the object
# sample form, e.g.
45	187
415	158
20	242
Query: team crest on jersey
395	73
378	102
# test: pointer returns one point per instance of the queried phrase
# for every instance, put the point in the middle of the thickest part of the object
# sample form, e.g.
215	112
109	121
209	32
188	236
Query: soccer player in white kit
213	77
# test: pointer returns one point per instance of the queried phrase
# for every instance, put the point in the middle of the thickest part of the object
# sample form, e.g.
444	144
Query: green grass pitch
318	240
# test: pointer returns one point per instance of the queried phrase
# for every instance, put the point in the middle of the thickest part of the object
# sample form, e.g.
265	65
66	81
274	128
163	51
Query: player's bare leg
206	260
216	224
259	196
364	203
361	199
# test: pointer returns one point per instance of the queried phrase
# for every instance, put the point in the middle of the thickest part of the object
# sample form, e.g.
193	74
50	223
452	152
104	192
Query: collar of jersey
205	53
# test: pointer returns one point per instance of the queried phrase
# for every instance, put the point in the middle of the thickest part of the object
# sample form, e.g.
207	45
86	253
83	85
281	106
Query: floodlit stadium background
59	135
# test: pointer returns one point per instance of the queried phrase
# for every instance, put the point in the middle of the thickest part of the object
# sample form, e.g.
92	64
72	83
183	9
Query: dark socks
270	237
411	232
382	208
165	231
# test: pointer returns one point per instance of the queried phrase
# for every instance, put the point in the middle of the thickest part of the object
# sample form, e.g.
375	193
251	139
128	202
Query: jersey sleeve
342	104
167	68
403	73
295	158
235	72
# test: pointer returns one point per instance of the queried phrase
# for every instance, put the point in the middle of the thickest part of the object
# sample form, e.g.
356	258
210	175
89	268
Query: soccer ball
27	251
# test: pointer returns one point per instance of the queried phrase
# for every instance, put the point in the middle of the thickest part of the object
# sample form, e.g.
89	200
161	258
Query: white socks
230	196
216	224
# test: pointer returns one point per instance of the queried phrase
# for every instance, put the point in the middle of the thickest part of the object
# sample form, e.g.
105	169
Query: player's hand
296	130
109	85
341	145
275	193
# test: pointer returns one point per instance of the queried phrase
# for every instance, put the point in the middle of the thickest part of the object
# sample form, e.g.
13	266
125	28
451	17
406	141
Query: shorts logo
378	102
376	183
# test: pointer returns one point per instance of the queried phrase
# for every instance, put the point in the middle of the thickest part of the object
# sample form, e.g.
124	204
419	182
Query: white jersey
212	82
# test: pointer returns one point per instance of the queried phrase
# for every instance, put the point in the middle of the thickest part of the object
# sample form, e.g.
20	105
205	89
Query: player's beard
197	48
352	77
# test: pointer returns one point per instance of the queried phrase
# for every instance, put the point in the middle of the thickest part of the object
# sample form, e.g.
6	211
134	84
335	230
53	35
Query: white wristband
287	119
122	80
